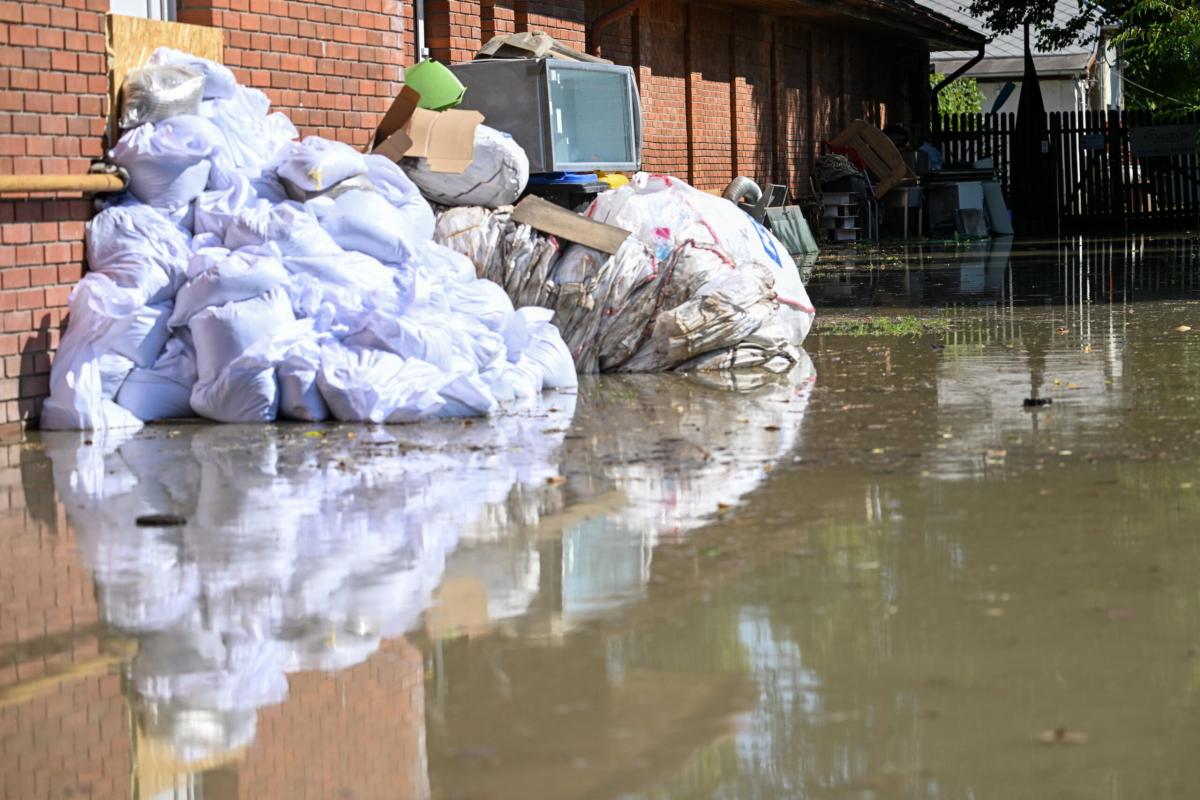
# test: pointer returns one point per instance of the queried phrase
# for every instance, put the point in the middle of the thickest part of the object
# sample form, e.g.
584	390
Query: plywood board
878	153
557	221
131	40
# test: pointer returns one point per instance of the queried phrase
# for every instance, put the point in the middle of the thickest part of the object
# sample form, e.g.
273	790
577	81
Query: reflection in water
893	582
304	549
301	550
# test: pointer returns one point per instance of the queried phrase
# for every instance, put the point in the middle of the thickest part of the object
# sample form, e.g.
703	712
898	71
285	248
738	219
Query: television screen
590	120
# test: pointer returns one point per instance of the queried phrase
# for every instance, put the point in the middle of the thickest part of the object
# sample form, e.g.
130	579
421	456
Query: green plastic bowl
438	87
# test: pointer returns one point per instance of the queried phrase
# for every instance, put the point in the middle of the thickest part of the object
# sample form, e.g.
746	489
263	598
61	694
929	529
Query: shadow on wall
41	260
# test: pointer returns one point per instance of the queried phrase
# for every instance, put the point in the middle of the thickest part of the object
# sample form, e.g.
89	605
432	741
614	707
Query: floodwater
880	576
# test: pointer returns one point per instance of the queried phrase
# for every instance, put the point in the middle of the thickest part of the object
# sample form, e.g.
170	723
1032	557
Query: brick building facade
740	88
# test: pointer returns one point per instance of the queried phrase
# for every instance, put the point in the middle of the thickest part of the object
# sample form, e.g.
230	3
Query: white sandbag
346	269
315	164
482	300
221	334
218	78
299	395
226	278
139	249
162	391
255	137
293	350
547	349
664	212
158	92
114	369
229	193
100	311
497	175
455	345
367	223
374	386
168	163
238	394
398	189
143	339
288	226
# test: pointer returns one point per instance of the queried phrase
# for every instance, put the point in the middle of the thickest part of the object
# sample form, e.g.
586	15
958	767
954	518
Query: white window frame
149	9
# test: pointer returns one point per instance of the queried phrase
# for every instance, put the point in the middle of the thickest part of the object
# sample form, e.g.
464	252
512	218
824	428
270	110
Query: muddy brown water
880	576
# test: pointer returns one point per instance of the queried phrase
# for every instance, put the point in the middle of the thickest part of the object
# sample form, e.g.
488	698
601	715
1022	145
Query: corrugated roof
1009	45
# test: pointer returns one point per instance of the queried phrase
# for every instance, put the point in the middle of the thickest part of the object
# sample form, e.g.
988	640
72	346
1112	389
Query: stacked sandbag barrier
248	275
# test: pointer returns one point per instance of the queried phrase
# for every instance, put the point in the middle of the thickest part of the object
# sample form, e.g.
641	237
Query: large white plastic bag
227	277
374	386
139	249
496	176
218	78
720	314
368	223
255	137
168	163
143	339
664	212
100	311
221	334
315	164
157	92
398	189
162	391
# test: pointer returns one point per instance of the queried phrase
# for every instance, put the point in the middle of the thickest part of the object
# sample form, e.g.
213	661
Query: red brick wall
332	66
68	738
53	103
731	92
455	29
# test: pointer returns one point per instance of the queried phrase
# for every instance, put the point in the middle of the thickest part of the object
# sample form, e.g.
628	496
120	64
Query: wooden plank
131	40
557	221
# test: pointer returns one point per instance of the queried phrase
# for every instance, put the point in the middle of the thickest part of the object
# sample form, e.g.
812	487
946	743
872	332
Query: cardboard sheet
445	138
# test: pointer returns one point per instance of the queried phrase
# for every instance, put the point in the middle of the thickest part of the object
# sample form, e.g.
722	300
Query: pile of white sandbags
698	286
247	275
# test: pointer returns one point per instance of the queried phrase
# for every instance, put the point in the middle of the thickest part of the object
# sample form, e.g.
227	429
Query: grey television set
569	116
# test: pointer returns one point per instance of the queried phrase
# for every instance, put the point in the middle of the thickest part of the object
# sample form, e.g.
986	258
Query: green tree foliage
961	96
1160	41
1161	45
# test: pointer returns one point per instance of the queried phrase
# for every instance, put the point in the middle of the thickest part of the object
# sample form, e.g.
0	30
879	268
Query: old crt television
569	116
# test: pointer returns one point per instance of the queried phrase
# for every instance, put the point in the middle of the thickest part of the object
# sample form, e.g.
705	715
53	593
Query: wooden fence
1114	170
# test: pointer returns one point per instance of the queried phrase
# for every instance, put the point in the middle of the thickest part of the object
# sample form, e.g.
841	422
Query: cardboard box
446	139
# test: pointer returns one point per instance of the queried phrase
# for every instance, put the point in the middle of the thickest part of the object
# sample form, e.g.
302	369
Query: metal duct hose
742	188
